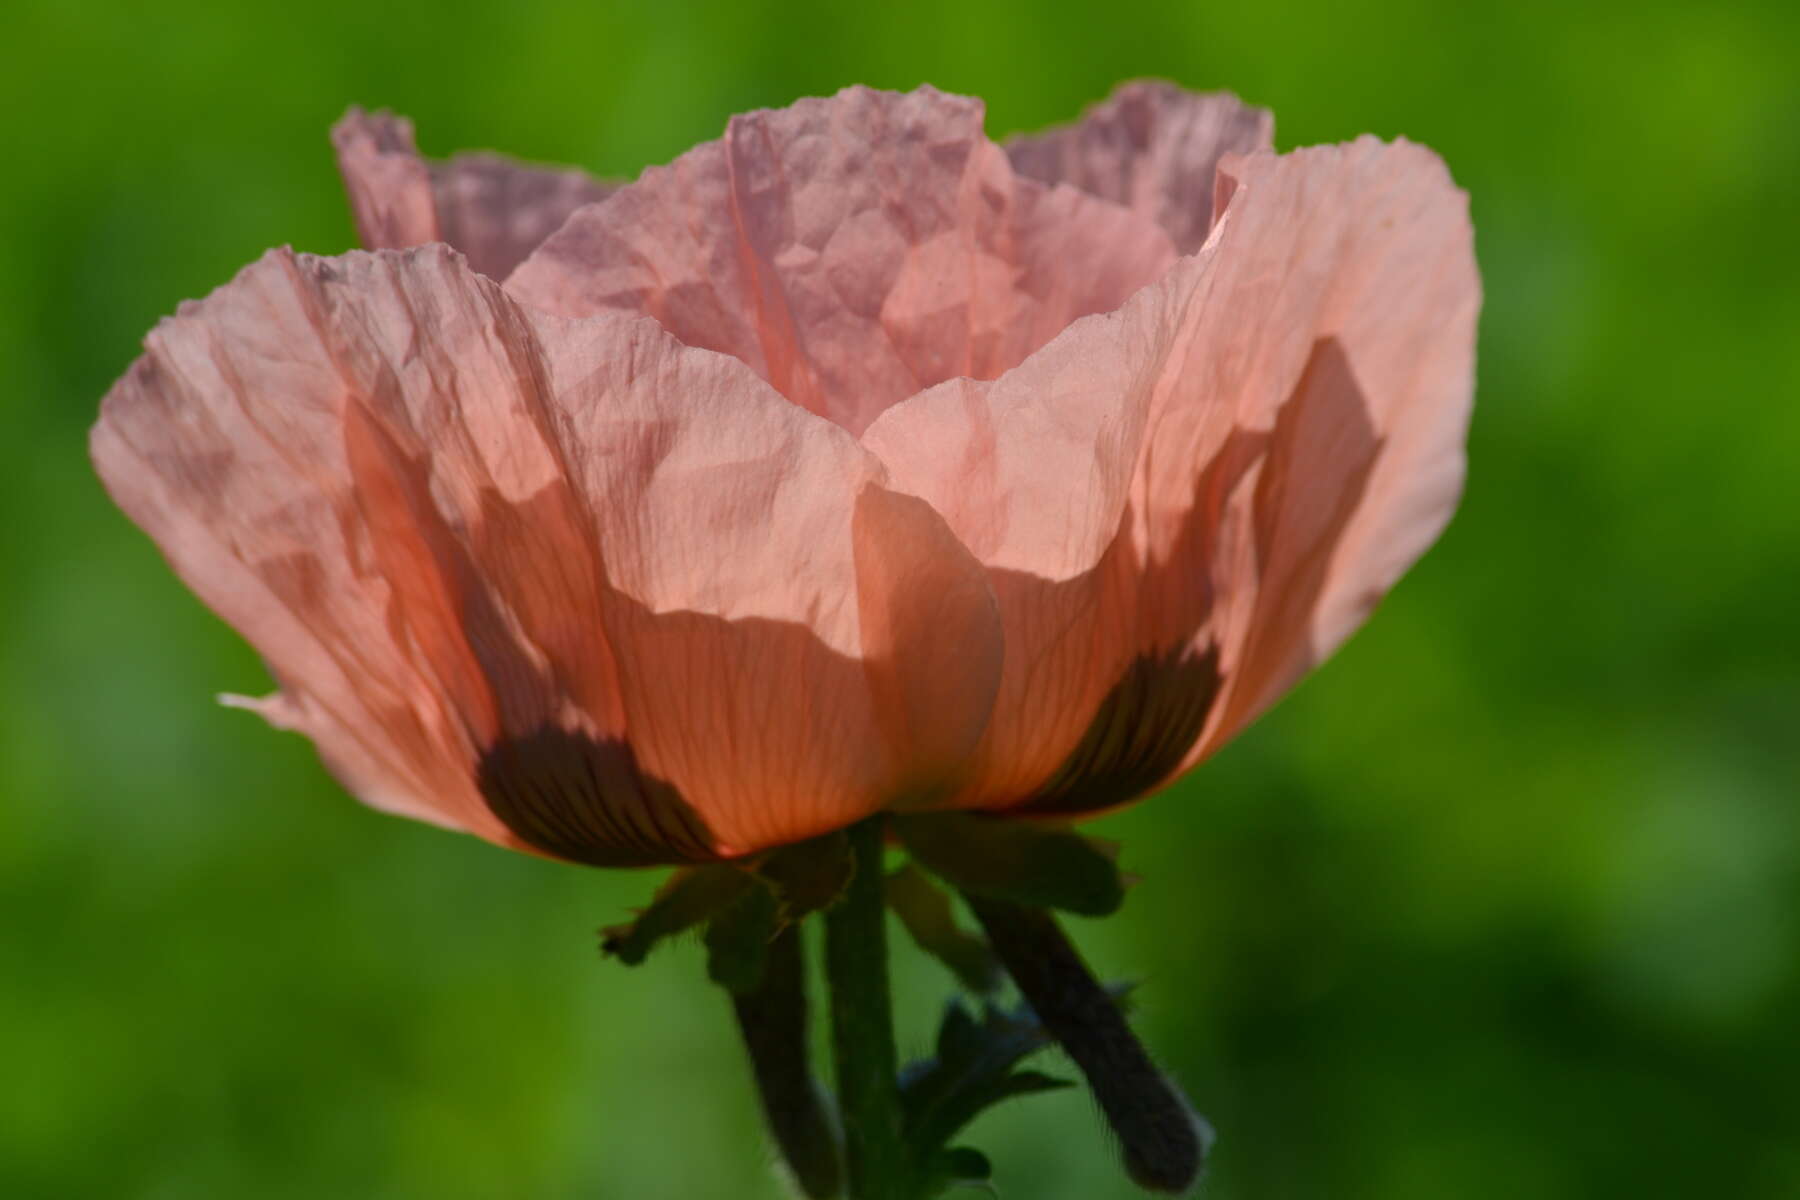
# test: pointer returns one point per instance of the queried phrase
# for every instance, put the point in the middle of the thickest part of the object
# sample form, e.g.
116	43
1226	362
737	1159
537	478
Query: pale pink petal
389	184
492	208
1185	504
1152	147
1361	373
567	584
851	250
497	210
225	443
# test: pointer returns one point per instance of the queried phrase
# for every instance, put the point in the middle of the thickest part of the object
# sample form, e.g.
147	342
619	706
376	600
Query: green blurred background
1504	902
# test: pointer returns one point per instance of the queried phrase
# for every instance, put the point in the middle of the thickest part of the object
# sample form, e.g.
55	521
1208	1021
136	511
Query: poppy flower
850	463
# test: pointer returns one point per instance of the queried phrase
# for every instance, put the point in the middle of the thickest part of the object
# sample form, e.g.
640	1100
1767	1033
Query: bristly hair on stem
897	1126
772	1017
1164	1141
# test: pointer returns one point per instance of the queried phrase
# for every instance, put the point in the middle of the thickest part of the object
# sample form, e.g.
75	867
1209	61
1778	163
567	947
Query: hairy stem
1162	1139
772	1018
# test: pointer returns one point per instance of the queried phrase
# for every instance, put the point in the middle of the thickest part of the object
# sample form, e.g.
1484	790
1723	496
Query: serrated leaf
687	898
959	1036
1022	862
924	910
973	1070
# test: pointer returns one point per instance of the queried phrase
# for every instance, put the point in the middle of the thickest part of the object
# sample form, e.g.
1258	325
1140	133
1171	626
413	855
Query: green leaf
1024	862
924	909
965	1164
958	1167
689	897
973	1071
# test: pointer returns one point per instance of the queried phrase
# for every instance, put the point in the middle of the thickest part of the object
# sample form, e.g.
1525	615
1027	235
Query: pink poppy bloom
852	462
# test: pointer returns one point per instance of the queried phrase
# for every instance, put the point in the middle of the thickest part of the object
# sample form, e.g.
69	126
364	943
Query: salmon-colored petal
567	584
1152	147
388	182
1346	327
492	208
931	639
851	250
224	442
766	578
1033	471
1245	456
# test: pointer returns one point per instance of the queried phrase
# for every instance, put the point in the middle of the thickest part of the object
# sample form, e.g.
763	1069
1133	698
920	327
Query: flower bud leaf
686	899
924	909
974	1069
737	940
808	876
1026	863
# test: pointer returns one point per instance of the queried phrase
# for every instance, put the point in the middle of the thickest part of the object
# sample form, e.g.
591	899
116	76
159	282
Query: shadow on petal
1322	452
1233	641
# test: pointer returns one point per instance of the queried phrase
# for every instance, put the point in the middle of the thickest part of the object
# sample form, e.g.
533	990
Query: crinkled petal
492	208
1288	409
1347	298
851	250
1152	147
567	584
1033	471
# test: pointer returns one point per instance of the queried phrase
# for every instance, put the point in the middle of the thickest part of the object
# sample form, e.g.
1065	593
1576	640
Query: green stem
862	1026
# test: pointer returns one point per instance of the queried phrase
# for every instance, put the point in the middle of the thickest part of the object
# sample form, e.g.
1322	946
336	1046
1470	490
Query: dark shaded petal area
1152	147
494	209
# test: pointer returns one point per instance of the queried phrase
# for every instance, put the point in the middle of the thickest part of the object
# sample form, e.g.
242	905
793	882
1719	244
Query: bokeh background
1503	902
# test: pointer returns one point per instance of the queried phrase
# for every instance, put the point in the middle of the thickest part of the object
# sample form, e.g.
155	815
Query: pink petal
1033	472
493	209
1363	255
1185	504
851	250
566	584
389	184
1152	147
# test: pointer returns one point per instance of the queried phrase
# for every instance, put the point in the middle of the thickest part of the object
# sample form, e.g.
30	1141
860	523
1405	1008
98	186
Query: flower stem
862	1026
772	1018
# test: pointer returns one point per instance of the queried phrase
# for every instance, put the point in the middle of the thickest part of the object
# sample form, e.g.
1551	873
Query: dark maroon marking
586	800
1141	732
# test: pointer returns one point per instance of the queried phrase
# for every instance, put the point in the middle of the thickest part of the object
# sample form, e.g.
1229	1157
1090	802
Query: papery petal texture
567	584
850	462
492	208
1186	503
852	250
1152	147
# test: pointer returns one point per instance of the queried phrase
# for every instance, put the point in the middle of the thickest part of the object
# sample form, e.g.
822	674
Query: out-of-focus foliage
1504	902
